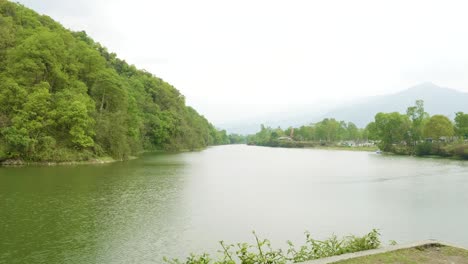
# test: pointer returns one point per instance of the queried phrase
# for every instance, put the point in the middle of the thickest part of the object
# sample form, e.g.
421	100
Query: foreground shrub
263	253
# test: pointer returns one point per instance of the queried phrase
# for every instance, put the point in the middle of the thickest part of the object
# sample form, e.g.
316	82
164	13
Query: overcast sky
237	59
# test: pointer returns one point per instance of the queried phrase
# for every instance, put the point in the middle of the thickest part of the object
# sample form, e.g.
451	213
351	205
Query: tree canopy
392	128
438	126
461	124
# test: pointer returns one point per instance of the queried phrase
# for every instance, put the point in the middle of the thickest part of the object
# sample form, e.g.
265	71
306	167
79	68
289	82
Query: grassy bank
427	254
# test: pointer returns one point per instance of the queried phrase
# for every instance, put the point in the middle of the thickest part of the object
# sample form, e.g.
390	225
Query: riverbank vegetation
418	133
262	252
413	133
65	97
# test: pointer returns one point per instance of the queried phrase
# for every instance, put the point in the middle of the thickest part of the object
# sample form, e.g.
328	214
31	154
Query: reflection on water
170	205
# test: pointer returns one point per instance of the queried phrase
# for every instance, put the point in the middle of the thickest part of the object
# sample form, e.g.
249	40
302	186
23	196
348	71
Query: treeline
237	139
326	132
413	133
65	97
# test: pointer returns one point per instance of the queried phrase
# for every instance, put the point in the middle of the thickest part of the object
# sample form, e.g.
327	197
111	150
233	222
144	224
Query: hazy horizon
237	61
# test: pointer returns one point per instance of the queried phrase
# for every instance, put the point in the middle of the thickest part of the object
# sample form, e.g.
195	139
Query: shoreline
21	163
108	160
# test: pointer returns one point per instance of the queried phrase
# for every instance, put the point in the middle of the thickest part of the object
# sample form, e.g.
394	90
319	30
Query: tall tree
392	128
438	126
418	119
461	124
352	131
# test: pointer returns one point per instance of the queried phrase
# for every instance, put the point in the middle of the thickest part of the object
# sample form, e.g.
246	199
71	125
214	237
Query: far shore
346	148
308	145
366	149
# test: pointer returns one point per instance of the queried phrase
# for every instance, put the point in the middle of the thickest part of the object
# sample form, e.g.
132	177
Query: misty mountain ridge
437	100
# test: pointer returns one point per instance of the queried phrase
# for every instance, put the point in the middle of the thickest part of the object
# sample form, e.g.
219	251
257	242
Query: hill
64	97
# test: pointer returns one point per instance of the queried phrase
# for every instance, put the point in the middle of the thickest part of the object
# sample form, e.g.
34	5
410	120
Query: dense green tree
6	37
352	132
418	119
263	135
438	126
328	130
371	131
28	130
305	133
461	124
391	128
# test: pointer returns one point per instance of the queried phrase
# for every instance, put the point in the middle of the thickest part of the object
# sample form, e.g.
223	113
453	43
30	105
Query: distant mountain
437	100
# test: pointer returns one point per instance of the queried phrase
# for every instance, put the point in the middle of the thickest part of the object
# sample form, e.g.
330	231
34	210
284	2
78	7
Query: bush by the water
424	149
263	253
460	151
457	150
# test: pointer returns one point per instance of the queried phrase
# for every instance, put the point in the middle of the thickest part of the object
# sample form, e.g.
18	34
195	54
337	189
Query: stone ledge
380	251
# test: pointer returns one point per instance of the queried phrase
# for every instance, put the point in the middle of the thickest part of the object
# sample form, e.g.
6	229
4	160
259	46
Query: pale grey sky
237	59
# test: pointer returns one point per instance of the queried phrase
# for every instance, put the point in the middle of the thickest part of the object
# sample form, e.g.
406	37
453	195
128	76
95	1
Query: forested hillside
64	97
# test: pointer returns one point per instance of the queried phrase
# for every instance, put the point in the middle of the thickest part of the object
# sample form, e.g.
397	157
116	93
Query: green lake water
173	204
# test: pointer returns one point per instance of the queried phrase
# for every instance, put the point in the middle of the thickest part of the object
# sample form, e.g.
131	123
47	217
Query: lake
172	204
